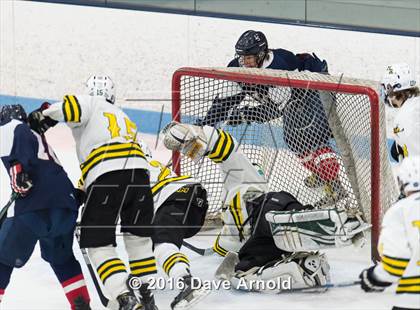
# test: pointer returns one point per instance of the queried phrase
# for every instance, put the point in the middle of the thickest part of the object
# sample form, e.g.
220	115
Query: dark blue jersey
280	59
51	185
306	125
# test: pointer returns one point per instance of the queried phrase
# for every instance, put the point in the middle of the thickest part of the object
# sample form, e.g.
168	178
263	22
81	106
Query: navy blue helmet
252	43
12	111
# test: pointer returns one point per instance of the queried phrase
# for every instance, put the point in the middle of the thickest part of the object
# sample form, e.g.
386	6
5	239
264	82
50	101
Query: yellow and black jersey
164	182
105	136
406	127
399	246
240	177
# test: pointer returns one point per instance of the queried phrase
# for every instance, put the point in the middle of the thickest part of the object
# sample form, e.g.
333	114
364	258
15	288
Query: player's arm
74	111
268	109
311	63
22	153
395	254
219	146
398	152
220	109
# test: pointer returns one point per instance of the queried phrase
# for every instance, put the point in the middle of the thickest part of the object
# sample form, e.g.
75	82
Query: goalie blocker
282	228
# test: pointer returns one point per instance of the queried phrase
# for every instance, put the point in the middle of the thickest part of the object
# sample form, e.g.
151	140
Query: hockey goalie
274	235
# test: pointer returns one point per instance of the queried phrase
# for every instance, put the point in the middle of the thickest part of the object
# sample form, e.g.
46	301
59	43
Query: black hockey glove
312	63
39	122
369	283
19	180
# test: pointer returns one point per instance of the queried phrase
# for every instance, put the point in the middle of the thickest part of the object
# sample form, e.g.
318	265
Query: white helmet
101	85
409	175
396	78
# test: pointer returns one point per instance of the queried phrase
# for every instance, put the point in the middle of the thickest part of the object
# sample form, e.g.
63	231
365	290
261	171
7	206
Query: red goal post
194	88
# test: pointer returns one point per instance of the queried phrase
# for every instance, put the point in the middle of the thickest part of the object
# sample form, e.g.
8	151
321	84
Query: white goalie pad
312	230
190	140
300	270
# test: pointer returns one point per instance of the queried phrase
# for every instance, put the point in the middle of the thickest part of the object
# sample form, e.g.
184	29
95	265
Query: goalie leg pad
313	229
300	270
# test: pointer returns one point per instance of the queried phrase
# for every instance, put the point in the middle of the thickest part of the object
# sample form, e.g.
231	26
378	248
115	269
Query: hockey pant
260	248
53	228
124	195
181	216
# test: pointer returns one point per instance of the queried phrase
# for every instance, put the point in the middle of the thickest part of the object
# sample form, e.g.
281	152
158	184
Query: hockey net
354	115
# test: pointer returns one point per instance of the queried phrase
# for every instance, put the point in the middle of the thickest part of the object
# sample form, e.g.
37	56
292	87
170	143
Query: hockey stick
321	288
202	252
3	211
102	297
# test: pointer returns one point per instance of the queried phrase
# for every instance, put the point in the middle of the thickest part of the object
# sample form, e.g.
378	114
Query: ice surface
35	287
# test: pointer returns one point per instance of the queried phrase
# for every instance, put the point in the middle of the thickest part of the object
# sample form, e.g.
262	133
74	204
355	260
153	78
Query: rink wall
48	50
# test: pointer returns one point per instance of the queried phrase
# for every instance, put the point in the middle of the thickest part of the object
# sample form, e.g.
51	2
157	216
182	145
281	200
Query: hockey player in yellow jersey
116	180
250	210
399	90
180	204
399	243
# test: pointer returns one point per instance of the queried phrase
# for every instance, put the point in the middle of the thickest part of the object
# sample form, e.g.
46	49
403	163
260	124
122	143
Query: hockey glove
369	283
80	196
19	179
39	122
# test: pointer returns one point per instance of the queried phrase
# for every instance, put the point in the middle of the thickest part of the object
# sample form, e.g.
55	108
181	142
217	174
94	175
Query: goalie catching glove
190	140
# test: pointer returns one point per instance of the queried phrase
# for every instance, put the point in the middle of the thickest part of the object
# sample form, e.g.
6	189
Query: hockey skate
146	297
128	301
142	292
188	296
334	192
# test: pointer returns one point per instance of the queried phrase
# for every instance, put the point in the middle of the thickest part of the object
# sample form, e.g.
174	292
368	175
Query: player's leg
262	260
181	216
5	274
136	217
57	249
97	234
15	251
307	134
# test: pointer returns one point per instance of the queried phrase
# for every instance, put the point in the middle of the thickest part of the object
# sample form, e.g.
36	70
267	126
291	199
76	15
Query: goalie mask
12	111
409	176
398	77
251	43
101	86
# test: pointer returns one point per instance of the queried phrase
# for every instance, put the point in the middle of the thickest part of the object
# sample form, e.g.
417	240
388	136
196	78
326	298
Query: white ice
35	287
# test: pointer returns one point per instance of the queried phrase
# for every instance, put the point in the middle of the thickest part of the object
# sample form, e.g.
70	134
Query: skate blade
198	295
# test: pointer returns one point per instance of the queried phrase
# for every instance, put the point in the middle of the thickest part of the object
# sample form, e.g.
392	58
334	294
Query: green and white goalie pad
312	230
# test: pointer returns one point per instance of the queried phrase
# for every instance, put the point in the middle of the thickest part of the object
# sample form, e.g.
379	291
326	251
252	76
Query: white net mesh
310	133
